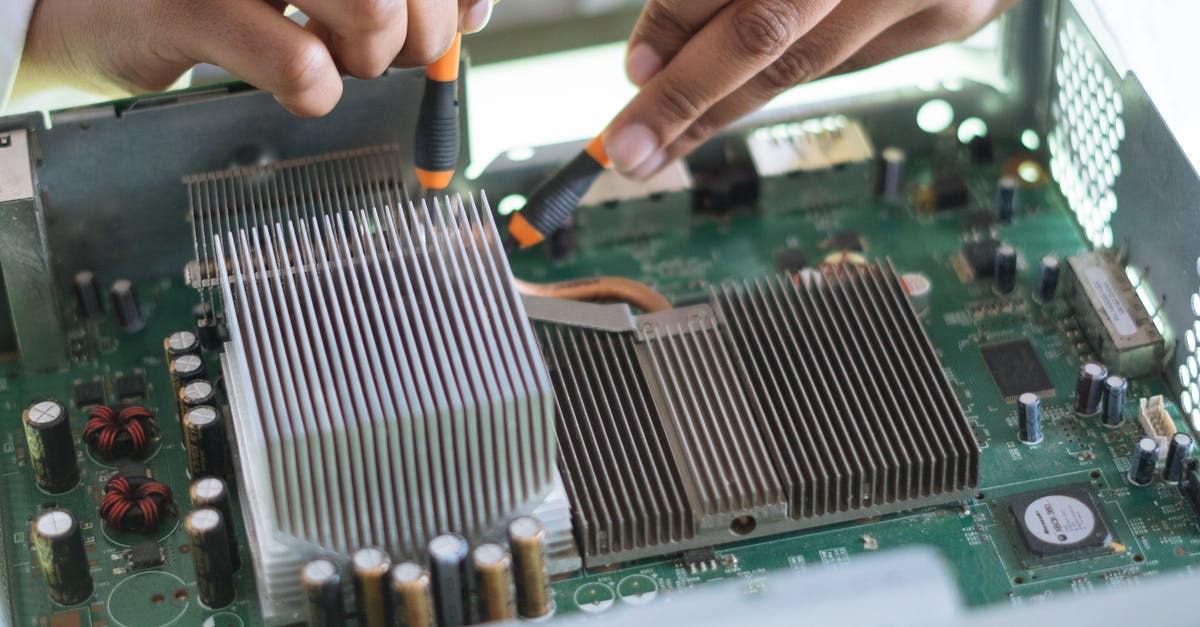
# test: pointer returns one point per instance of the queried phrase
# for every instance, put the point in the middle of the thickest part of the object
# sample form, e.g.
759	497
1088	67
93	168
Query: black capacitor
1179	449
371	568
196	393
206	326
1047	283
1006	199
891	173
1113	413
180	343
214	492
51	446
58	543
451	579
210	553
87	295
204	437
1141	464
125	304
1089	388
1029	418
1006	269
322	584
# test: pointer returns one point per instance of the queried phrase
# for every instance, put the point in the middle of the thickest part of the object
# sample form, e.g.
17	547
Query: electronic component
51	447
527	540
1015	367
187	367
87	295
1006	199
1142	461
982	149
950	192
371	567
1047	281
126	306
977	220
323	596
1113	412
58	544
699	560
1005	269
845	240
214	492
130	386
813	163
1059	524
449	571
136	503
412	598
210	555
1179	450
891	173
791	260
918	288
204	437
196	393
1029	418
147	554
1155	421
1189	485
980	258
1089	388
180	343
206	326
494	583
1113	318
89	393
121	431
606	215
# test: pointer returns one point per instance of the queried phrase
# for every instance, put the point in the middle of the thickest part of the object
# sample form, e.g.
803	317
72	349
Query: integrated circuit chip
1059	524
1016	368
980	257
131	386
791	260
88	393
145	555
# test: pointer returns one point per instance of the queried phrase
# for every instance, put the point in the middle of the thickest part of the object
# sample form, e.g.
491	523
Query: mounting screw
5	141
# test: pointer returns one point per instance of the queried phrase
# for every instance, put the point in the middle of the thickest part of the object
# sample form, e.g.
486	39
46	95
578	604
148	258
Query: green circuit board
1154	527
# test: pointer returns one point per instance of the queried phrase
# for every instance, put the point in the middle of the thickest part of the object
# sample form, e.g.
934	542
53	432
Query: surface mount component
788	403
1059	524
1113	319
832	155
1155	421
1015	367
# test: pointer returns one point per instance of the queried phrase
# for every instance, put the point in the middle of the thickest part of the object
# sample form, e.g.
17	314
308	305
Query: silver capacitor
450	571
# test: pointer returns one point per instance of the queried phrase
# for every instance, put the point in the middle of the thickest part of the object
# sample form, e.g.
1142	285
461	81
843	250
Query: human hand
703	64
146	45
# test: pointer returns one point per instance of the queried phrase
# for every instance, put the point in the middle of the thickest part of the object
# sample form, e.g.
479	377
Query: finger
838	37
260	46
741	41
365	35
663	28
475	15
432	25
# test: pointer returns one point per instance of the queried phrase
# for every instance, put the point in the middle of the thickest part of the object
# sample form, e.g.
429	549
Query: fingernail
642	63
477	17
650	166
630	146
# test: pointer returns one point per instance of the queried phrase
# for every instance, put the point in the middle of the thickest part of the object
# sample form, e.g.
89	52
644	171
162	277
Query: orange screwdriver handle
436	150
551	204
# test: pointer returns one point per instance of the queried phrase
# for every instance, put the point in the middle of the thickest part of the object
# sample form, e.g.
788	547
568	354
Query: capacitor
58	543
204	438
371	568
125	304
1047	283
180	343
494	583
210	553
1113	413
206	326
412	597
87	295
451	580
197	393
214	492
527	540
1089	388
51	446
1006	269
891	173
917	287
1179	449
1006	199
1141	465
322	584
186	368
1029	418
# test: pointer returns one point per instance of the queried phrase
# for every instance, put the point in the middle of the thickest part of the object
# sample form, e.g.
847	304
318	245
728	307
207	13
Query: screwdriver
436	149
551	204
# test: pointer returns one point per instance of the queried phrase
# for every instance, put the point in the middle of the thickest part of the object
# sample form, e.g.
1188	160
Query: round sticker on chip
1059	519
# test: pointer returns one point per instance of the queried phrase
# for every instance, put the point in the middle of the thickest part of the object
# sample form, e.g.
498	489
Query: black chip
1059	524
134	471
88	393
699	560
791	260
1016	368
145	555
980	256
949	192
131	386
982	149
845	240
977	220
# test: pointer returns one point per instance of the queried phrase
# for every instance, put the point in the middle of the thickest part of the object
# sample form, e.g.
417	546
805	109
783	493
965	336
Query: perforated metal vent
1189	370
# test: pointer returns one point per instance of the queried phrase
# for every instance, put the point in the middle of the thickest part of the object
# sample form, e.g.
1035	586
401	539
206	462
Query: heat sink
385	384
786	403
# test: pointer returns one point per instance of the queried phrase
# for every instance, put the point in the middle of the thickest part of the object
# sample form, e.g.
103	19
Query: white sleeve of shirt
14	21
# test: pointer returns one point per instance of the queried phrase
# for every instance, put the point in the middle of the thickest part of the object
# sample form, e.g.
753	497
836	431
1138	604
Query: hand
703	64
146	45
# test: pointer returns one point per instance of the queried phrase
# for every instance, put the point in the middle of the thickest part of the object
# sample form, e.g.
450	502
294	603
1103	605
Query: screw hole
1139	558
742	525
1095	474
1018	580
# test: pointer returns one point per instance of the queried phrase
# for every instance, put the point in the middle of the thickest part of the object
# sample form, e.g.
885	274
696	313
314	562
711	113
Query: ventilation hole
935	116
1031	141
